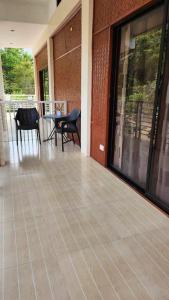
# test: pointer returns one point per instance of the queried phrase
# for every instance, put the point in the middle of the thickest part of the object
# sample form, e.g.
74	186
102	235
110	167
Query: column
86	75
2	119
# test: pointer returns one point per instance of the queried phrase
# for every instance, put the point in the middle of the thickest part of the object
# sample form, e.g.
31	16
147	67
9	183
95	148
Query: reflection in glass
137	76
160	172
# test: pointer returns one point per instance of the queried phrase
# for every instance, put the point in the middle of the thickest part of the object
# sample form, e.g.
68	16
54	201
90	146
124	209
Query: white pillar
86	75
50	69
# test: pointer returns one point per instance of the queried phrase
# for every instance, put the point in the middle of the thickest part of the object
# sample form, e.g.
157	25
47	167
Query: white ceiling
24	36
28	18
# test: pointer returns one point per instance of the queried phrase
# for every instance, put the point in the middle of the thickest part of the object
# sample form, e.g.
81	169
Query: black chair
27	119
67	127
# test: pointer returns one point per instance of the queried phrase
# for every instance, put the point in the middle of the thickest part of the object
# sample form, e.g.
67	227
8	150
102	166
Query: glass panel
160	172
137	75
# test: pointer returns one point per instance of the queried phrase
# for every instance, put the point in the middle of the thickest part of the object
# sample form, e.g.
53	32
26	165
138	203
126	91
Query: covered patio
70	229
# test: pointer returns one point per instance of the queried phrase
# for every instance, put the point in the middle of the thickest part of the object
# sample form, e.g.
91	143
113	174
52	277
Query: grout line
108	255
142	283
14	228
3	252
85	261
70	258
152	259
43	256
149	243
91	248
33	277
82	255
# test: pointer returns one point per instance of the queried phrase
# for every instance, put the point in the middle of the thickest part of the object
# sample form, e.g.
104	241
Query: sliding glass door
159	179
134	105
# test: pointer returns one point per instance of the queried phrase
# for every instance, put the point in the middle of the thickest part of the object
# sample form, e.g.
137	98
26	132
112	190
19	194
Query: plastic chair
27	119
68	126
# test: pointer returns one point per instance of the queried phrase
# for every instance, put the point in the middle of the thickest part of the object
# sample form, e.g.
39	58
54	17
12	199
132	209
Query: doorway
139	114
44	87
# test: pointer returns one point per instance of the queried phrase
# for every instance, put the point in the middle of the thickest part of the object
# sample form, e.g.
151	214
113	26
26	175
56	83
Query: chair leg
17	136
78	137
56	138
73	138
20	135
62	144
39	137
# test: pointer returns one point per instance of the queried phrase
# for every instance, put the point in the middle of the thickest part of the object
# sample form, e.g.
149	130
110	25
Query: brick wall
106	13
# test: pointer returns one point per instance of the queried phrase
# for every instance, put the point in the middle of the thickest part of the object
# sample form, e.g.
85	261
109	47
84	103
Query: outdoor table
55	118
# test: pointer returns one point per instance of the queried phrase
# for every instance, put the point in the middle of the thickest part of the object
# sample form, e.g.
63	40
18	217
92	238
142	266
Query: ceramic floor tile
71	230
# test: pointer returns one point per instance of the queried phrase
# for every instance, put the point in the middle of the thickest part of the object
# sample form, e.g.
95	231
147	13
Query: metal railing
43	107
138	118
19	97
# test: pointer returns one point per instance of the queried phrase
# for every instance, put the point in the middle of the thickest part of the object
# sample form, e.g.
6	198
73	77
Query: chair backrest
27	116
74	115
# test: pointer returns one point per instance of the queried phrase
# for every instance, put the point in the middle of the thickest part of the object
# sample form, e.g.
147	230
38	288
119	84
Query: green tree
143	65
18	71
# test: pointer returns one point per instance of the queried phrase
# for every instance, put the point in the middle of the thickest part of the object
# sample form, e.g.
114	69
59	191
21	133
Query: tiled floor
69	229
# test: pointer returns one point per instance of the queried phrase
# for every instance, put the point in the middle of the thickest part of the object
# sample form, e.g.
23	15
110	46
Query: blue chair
67	127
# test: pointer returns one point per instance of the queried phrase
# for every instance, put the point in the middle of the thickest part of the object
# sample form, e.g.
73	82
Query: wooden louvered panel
108	12
68	78
69	37
100	94
42	59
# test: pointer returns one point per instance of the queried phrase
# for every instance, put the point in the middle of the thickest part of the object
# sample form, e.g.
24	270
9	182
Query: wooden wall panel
106	13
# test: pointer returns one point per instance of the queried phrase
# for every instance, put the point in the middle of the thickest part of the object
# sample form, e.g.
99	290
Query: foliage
143	66
18	72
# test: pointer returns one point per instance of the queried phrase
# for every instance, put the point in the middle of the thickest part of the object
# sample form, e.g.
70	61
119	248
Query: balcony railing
44	107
